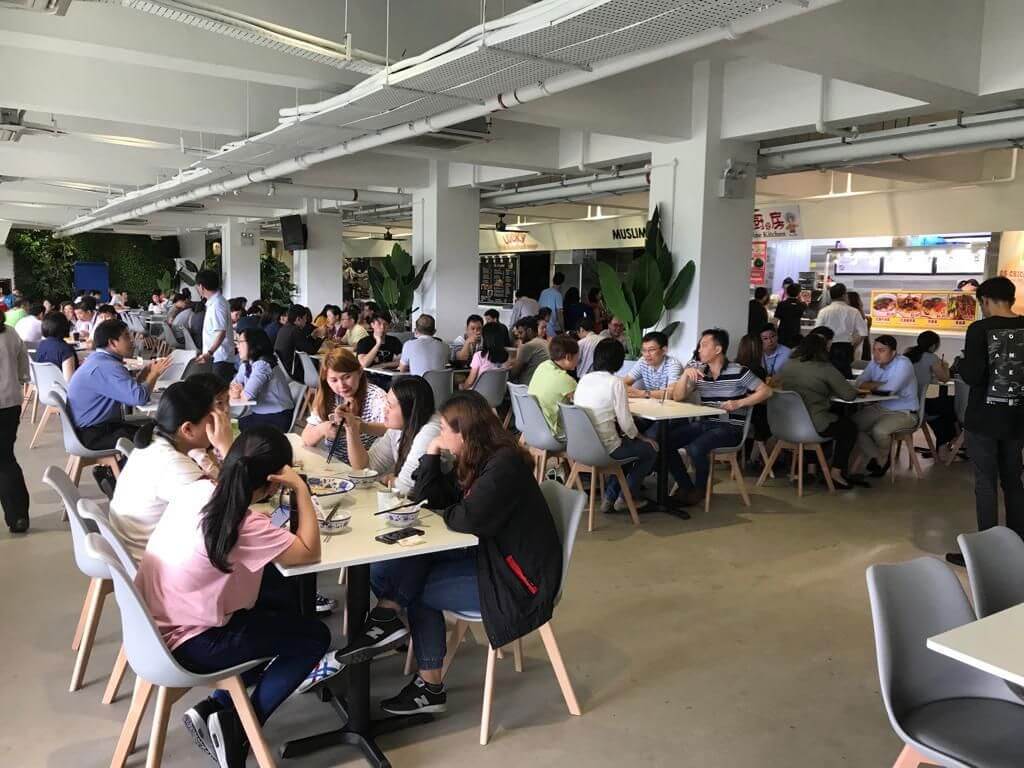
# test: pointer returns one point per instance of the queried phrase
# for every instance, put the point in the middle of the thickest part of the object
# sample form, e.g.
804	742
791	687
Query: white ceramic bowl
326	486
339	521
403	517
363	477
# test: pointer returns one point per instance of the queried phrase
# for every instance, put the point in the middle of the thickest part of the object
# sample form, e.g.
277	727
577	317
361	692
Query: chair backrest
309	372
403	336
995	565
922	396
961	394
147	654
98	518
443	384
911	602
513	390
59	481
535	428
188	343
743	437
46	376
566	505
789	420
492	385
582	442
71	442
298	391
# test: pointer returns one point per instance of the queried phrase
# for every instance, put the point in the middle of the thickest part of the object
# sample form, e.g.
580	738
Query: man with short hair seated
102	385
426	352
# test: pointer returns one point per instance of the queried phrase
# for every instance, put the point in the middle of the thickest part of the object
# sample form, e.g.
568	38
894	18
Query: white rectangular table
992	644
354	549
154	403
864	399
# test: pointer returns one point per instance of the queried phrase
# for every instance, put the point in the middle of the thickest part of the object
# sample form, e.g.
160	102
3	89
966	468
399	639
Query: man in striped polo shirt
720	383
656	371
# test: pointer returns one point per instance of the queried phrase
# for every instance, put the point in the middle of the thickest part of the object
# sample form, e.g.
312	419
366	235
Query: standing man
991	365
524	306
757	311
218	338
789	312
552	299
492	316
849	327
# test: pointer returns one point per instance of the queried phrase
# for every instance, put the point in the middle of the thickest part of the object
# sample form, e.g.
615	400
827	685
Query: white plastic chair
79	457
566	507
537	436
154	665
492	385
298	391
46	377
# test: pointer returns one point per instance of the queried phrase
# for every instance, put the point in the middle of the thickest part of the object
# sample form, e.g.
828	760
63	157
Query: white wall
6	262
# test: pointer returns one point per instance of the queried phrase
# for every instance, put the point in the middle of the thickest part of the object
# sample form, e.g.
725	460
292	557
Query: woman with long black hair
492	353
929	368
13	374
201	576
260	378
511	577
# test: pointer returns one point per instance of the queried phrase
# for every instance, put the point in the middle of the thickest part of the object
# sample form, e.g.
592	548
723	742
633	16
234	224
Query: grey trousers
877	427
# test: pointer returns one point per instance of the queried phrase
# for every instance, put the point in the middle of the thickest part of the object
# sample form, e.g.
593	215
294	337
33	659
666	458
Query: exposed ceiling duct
541	50
52	7
632	181
990	131
249	29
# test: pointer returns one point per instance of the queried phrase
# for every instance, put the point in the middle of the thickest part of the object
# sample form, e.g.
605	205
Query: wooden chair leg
454	641
165	698
600	485
517	654
42	425
893	457
257	742
910	758
926	430
92	621
551	646
793	464
485	715
825	468
116	676
626	493
955	447
710	483
508	419
740	482
75	474
593	491
570	479
914	461
769	462
130	729
799	459
93	583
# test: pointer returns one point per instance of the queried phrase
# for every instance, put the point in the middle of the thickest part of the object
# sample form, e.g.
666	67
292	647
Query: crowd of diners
182	503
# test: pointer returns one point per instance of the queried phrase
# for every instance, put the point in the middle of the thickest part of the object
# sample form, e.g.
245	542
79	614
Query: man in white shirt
85	314
218	339
424	353
848	325
30	327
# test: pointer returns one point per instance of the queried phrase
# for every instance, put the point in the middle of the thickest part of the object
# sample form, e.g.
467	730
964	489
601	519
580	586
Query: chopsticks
400	506
330	516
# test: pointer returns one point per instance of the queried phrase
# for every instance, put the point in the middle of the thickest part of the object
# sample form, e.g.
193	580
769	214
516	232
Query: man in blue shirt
218	336
102	385
552	299
775	354
878	422
655	371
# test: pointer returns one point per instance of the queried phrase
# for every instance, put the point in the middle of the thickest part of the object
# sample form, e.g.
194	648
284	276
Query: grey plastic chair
961	394
79	456
513	412
187	342
729	454
587	453
154	665
492	385
906	437
946	712
124	446
95	570
46	377
298	391
443	384
794	431
310	376
537	436
566	507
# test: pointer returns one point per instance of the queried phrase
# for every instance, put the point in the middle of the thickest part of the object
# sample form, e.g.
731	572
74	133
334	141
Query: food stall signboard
858	262
926	310
908	262
758	261
777	221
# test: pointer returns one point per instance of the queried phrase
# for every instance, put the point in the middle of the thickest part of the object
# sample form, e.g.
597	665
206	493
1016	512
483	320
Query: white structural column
317	270
192	246
240	259
698	224
446	230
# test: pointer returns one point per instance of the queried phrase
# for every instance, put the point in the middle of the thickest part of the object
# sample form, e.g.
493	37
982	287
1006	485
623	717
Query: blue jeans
426	586
645	456
282	420
699	438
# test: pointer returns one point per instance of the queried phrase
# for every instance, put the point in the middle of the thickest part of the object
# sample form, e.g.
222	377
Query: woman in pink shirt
201	577
492	354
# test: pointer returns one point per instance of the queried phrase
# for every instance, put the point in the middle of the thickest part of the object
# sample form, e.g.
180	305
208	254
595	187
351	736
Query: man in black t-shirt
789	313
380	349
757	311
993	367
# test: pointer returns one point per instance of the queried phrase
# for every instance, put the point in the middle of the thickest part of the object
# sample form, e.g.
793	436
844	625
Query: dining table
991	644
355	548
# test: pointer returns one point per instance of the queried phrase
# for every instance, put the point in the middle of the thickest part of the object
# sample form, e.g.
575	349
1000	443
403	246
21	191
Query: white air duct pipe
328	193
556	84
568	191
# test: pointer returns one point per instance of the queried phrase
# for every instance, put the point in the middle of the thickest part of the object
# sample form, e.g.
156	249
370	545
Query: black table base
663	503
359	731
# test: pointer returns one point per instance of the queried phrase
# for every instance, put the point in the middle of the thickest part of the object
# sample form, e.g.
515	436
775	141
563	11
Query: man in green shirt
19	311
551	383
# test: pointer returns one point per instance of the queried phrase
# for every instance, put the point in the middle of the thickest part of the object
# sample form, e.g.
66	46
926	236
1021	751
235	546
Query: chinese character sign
758	262
777	221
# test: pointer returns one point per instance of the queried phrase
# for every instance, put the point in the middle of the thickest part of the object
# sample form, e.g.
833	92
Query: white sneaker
327	668
620	504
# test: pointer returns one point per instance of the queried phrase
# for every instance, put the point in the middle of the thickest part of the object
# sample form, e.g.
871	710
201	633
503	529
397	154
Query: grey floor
739	638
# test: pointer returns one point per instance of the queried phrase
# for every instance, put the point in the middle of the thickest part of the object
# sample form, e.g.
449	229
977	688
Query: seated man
102	385
466	345
616	330
720	383
656	371
380	349
425	352
544	323
532	351
85	318
551	383
354	330
588	341
892	373
775	354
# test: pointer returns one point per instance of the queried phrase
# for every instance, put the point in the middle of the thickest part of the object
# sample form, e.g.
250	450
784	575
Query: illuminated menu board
957	261
858	262
911	262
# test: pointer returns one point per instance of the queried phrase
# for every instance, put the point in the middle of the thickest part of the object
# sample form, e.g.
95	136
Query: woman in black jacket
511	578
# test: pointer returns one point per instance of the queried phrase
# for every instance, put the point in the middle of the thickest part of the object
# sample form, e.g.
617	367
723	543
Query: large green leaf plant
394	285
642	298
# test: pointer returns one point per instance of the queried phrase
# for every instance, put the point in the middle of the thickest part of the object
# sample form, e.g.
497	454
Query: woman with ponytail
171	453
201	577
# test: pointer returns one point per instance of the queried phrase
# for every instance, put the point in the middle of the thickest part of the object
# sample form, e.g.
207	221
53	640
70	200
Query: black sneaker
955	558
195	721
417	697
104	477
877	470
229	742
19	526
324	605
382	629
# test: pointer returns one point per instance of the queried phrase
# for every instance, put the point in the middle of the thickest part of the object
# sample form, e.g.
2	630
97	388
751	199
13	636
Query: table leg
664	503
359	730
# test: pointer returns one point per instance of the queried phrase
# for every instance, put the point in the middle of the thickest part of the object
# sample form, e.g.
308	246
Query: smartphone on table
393	537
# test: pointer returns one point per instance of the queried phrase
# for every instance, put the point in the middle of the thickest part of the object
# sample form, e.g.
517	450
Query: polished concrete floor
739	638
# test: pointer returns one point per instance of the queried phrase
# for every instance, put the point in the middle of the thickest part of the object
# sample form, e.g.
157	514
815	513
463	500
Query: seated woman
201	577
344	389
53	348
492	353
930	369
511	578
411	426
810	373
260	378
170	454
750	354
